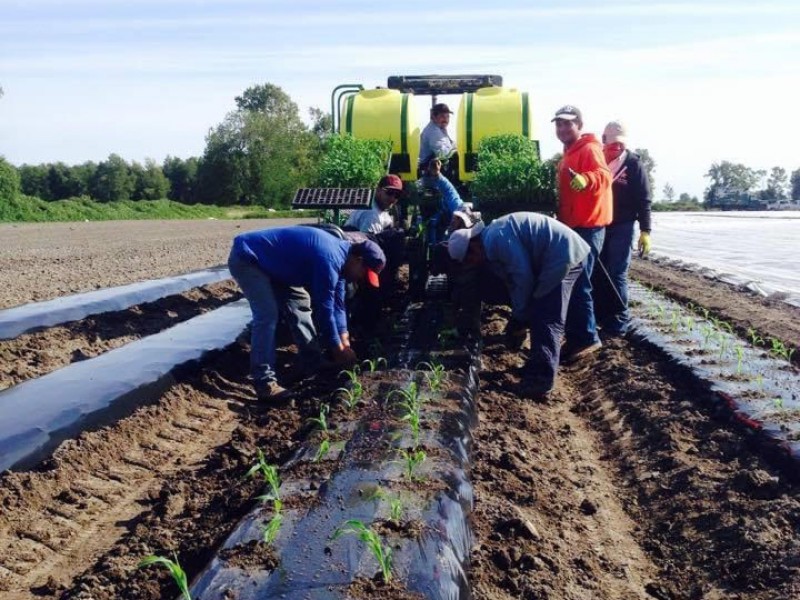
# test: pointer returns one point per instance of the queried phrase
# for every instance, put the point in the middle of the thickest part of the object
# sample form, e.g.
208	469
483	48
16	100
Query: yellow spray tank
384	114
486	112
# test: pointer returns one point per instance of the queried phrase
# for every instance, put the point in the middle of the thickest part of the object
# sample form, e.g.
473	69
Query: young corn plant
270	531
270	475
175	570
739	358
447	337
381	552
707	331
435	374
395	504
723	345
411	405
322	451
411	460
675	321
322	420
373	364
352	395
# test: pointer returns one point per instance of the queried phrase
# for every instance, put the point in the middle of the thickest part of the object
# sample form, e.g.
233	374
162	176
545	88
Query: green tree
260	154
34	181
321	123
182	176
731	184
777	185
669	193
9	181
649	165
112	180
149	181
796	185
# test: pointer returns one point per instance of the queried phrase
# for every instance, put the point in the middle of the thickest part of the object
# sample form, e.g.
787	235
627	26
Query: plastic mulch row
762	391
40	315
37	415
432	561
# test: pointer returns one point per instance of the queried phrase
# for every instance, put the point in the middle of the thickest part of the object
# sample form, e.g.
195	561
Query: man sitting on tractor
377	218
434	141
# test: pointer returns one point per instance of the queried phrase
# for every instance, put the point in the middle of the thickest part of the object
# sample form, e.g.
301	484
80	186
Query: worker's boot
273	393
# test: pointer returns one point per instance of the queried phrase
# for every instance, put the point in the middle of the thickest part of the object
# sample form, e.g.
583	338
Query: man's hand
345	337
344	356
578	181
644	243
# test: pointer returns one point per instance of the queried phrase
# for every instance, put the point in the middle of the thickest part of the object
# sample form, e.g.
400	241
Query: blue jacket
448	204
532	253
304	257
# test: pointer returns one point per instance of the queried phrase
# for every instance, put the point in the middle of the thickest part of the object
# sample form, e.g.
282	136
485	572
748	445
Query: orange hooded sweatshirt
593	206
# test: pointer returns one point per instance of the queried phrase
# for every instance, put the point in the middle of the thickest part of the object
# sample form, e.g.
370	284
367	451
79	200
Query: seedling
778	402
270	474
760	382
175	569
411	404
324	448
688	322
707	331
739	358
435	374
352	374
395	504
353	395
322	420
675	321
383	554
412	460
448	336
754	338
779	349
373	364
271	529
723	345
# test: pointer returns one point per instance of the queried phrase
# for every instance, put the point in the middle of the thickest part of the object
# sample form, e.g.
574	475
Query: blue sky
694	82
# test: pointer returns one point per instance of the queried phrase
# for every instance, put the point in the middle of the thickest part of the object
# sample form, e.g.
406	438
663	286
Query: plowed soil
628	483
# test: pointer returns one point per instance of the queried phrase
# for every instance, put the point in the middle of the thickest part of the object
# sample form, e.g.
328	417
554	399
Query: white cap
458	242
615	132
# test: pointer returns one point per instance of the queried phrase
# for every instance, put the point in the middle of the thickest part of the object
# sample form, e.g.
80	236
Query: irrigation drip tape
40	315
37	415
432	546
759	390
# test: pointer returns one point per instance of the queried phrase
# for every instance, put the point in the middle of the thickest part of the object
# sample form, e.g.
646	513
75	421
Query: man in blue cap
274	268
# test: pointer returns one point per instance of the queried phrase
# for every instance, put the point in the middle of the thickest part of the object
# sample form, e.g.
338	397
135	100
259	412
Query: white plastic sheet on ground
759	251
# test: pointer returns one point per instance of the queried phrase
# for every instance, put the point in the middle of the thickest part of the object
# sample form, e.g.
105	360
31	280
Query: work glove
644	243
578	181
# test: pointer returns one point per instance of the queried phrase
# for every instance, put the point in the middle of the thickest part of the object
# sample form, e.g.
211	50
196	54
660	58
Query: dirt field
627	484
44	261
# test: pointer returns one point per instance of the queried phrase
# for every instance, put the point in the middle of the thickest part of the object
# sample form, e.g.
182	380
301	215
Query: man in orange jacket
585	204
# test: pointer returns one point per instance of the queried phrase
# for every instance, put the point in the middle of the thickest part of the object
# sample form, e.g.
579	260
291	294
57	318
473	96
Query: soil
627	483
40	261
36	354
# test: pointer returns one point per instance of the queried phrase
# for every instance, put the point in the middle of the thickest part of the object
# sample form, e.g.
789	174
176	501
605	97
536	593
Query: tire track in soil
547	520
167	478
35	354
716	517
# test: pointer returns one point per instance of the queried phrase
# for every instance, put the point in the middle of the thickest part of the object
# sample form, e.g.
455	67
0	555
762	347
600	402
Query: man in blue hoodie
274	268
539	260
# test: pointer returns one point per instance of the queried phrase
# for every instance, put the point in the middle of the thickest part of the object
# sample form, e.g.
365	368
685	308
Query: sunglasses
393	192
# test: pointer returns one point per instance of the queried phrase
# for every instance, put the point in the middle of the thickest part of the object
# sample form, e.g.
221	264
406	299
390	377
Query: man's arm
596	172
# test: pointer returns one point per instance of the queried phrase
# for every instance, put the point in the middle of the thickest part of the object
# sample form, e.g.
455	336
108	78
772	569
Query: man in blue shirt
539	260
274	268
449	202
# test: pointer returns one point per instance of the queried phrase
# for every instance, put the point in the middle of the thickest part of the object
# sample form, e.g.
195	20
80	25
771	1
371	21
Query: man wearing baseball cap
631	192
274	268
539	259
584	185
434	141
377	218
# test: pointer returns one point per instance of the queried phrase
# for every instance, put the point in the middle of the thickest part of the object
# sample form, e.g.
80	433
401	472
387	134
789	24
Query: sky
695	83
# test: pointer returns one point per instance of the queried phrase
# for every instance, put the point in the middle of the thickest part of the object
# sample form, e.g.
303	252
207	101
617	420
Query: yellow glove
578	181
644	243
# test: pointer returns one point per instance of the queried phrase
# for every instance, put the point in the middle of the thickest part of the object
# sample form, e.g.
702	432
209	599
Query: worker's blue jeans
581	328
547	327
616	257
267	301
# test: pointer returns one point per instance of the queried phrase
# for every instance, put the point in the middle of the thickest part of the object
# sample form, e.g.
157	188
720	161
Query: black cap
441	108
568	113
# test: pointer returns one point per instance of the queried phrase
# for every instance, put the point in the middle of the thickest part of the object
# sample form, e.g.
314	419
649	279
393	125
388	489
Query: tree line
259	155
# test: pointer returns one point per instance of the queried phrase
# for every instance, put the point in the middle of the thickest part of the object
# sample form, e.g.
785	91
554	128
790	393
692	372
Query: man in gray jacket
539	260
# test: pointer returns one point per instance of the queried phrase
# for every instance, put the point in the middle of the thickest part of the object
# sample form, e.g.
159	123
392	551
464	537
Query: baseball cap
458	242
374	260
568	113
441	108
391	182
615	132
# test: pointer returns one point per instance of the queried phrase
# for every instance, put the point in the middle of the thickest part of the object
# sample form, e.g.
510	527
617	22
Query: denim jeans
616	257
268	300
547	327
581	329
